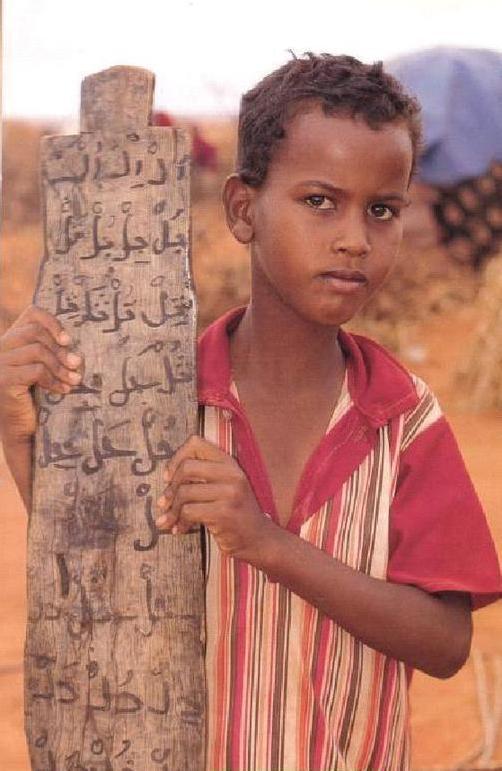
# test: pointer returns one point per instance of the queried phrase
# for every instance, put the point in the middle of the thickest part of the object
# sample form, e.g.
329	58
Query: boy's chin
328	318
334	316
317	311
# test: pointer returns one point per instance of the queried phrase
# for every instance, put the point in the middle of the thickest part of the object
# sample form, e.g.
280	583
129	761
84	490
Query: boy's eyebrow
404	199
333	189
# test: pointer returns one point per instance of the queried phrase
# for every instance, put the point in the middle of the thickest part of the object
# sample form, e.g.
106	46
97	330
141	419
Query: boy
345	544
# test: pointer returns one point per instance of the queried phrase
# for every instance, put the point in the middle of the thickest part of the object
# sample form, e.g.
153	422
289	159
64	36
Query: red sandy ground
445	717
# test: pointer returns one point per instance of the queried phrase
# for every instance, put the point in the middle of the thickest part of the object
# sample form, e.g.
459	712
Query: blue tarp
460	90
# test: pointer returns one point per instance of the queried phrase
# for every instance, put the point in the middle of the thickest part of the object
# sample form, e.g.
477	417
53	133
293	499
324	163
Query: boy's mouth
343	280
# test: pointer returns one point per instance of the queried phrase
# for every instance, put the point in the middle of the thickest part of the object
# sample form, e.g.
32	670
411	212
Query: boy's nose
350	236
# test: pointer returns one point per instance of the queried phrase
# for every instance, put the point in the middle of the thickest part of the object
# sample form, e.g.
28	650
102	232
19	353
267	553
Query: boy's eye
319	202
382	212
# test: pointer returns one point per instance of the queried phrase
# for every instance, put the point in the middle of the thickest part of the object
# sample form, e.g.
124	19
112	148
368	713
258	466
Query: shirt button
227	414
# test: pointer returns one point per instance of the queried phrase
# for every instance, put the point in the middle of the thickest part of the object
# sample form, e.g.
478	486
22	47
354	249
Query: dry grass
479	376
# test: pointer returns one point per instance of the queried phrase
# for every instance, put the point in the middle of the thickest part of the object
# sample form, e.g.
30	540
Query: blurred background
440	312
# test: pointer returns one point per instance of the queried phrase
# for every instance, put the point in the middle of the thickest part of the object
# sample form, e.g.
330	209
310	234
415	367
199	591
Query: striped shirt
385	492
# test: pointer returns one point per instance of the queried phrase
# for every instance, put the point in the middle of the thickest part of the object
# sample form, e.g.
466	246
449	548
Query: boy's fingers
190	493
38	374
46	320
166	521
191	514
172	501
18	337
174	507
33	332
35	354
183	526
191	470
197	448
190	504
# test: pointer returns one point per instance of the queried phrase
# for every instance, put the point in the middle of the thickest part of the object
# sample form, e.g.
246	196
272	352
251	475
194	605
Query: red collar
379	386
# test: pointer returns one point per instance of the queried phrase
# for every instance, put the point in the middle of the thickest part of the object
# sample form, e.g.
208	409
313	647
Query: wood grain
114	649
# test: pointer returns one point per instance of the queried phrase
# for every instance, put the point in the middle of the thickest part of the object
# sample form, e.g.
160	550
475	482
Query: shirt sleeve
439	536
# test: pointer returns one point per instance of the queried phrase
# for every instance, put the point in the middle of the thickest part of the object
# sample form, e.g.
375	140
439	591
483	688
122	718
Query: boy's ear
237	198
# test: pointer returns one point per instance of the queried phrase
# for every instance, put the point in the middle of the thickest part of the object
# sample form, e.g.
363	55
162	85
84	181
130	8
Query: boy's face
325	225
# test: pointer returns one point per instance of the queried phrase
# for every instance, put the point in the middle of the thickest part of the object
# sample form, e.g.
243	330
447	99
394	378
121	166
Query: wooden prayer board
114	675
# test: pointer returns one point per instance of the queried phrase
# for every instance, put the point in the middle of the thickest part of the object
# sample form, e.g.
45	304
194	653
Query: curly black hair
342	85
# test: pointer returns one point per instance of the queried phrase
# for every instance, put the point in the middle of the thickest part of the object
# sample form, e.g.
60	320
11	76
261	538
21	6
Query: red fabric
439	539
162	118
204	154
380	387
376	400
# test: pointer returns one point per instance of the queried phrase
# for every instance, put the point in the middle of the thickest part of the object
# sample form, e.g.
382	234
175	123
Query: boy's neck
274	347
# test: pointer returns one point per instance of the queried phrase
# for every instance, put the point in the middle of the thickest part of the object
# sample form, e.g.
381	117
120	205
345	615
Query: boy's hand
208	487
33	352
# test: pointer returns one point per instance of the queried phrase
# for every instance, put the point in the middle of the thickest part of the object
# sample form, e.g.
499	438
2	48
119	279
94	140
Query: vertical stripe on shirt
290	690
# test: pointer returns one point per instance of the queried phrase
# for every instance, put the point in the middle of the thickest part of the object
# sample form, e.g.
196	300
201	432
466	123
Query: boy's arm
429	632
32	352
